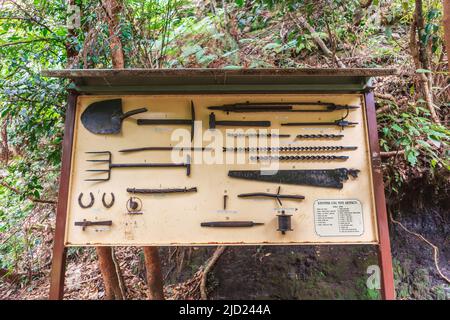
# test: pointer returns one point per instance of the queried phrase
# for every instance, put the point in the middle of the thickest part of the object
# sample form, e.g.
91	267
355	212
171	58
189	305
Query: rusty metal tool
85	206
134	206
277	195
105	117
258	135
230	224
166	149
281	107
159	191
225	198
239	123
190	122
85	223
319	136
327	178
314	157
290	148
284	222
111	165
111	203
340	123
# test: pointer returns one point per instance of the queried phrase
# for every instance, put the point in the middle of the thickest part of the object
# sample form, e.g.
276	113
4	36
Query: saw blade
327	178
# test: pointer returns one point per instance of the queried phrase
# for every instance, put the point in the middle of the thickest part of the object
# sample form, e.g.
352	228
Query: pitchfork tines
111	165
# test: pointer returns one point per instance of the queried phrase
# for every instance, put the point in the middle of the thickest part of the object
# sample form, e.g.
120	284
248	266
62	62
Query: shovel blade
103	117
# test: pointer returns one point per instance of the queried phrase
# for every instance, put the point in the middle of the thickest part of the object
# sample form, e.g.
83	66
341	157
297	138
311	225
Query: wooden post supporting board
59	250
384	246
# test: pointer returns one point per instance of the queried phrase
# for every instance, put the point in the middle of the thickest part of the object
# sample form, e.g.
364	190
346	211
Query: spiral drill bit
259	135
290	149
299	158
319	136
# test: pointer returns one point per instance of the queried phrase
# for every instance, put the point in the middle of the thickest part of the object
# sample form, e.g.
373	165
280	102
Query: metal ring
90	204
111	203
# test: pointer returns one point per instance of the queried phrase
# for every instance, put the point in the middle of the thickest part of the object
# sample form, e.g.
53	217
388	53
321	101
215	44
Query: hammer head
212	120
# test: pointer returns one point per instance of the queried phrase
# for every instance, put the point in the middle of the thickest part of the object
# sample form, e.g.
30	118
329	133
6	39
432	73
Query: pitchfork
111	165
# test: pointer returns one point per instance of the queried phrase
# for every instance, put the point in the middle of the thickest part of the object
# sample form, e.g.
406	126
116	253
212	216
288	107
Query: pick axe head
193	120
212	120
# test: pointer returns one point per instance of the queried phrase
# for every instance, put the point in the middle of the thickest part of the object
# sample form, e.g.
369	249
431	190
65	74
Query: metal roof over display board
94	81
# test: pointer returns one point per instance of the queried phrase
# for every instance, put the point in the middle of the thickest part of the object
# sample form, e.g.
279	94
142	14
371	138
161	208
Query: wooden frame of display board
174	89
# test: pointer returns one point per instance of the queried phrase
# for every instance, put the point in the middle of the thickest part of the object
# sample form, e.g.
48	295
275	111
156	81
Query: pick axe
155	122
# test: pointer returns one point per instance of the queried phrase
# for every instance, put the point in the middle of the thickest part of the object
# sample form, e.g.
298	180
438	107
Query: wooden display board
355	214
174	219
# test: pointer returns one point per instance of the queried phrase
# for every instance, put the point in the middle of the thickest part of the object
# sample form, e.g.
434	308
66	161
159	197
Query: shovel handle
133	112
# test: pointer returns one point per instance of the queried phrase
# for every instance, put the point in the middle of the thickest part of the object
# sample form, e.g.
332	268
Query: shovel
105	117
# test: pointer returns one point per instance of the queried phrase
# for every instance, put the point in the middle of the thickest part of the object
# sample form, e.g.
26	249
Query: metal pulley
284	222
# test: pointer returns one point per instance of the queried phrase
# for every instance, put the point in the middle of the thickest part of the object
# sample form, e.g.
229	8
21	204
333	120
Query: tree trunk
112	276
446	22
4	156
154	275
423	55
71	49
112	10
109	268
106	263
425	78
151	255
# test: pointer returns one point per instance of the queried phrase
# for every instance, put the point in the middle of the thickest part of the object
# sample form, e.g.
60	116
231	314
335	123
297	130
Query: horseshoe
90	204
108	205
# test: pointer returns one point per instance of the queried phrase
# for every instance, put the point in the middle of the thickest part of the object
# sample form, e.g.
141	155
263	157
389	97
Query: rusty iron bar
277	195
258	135
190	122
213	122
85	223
281	107
230	224
159	191
225	198
166	149
340	123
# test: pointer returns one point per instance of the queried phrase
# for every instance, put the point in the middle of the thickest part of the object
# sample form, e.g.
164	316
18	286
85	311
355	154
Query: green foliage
430	33
32	107
373	294
422	144
415	283
414	132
